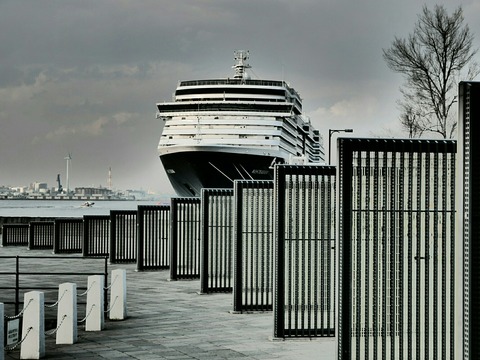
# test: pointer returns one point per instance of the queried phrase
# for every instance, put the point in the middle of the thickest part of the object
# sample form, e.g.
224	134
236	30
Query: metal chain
51	332
11	348
111	307
56	303
86	316
113	282
20	313
86	292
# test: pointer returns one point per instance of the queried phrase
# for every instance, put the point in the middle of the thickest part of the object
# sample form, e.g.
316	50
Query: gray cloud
84	76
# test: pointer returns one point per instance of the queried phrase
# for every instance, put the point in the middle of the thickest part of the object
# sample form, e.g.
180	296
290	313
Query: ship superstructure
219	130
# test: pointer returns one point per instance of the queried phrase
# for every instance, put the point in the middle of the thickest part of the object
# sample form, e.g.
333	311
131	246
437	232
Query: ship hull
191	171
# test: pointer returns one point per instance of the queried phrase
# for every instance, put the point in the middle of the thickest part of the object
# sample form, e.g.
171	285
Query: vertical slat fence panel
41	235
123	236
68	236
396	249
468	212
304	304
216	271
185	238
253	254
96	235
153	237
15	234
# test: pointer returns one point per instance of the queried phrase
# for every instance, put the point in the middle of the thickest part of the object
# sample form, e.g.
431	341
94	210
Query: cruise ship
216	131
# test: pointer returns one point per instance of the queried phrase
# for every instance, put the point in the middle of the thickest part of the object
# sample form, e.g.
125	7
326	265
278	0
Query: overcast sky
83	77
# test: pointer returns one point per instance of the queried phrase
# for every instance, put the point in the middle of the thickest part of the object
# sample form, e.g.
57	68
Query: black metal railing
96	235
41	235
253	242
305	251
15	234
68	236
216	273
123	236
23	279
153	237
185	238
396	249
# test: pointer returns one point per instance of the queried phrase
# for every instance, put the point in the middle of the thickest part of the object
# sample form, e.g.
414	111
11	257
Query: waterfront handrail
18	273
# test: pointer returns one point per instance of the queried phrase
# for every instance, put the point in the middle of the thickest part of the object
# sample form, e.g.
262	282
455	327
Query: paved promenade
170	320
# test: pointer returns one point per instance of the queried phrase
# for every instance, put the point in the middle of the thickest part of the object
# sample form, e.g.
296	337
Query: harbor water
65	208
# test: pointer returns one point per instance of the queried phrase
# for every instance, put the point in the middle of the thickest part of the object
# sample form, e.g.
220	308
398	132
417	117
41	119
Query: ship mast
241	57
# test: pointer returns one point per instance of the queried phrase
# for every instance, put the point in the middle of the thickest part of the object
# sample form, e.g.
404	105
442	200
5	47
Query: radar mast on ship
241	57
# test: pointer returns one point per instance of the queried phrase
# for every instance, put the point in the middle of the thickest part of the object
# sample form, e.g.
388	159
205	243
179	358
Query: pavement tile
170	320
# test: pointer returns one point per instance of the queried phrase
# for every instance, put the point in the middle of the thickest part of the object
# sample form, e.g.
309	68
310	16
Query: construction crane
60	188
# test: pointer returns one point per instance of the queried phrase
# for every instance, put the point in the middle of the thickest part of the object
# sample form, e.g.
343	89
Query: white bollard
33	326
2	334
67	314
94	310
118	295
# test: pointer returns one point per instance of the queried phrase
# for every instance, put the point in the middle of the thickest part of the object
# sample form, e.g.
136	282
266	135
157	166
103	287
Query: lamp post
330	133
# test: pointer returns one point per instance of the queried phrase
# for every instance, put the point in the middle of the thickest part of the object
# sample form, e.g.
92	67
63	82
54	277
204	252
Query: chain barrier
13	347
86	316
86	291
56	303
113	282
111	306
53	331
20	313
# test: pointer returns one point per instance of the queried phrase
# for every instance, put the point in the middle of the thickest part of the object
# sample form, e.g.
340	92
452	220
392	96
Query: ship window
267	137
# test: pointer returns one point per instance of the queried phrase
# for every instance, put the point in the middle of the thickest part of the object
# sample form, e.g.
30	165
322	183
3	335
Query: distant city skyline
83	78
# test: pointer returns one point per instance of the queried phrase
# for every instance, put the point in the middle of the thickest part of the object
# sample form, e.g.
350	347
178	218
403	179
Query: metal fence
96	235
468	209
305	251
216	271
253	236
123	236
185	238
396	249
41	235
68	236
153	237
15	234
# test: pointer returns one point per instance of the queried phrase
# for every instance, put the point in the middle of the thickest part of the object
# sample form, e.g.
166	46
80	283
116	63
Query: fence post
118	295
67	314
94	310
33	326
2	333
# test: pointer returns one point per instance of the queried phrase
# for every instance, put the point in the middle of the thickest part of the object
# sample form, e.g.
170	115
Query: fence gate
68	235
185	240
41	235
396	249
153	237
216	271
123	236
304	251
96	235
253	236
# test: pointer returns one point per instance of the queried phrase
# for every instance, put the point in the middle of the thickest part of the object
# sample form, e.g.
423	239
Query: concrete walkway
170	320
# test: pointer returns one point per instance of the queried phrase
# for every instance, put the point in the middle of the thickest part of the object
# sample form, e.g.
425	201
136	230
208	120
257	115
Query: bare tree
433	60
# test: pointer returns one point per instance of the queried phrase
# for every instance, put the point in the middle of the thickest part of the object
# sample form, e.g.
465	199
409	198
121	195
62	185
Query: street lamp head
348	130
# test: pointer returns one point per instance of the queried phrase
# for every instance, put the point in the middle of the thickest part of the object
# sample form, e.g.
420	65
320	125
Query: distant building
91	191
39	187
